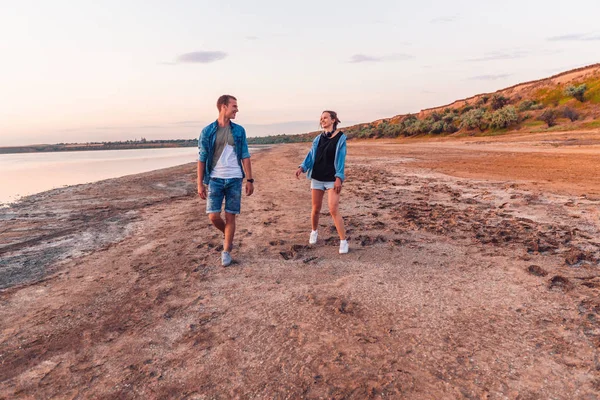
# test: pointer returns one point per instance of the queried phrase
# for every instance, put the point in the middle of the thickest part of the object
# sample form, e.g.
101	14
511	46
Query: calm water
25	174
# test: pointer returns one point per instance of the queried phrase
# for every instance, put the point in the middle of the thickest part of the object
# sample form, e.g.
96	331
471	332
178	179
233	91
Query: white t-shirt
227	167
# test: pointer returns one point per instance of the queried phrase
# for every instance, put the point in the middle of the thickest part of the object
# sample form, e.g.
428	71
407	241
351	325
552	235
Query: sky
85	71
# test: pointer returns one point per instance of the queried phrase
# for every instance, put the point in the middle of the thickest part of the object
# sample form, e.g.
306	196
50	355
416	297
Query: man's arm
248	171
201	187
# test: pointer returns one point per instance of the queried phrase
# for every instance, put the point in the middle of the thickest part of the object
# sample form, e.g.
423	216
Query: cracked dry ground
453	287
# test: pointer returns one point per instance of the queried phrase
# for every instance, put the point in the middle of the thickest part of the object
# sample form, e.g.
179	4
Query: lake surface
29	173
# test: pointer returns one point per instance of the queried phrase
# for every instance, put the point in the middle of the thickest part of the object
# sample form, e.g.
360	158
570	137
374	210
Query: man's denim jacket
206	146
339	160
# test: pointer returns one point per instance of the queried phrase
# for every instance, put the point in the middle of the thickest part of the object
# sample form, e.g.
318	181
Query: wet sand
472	273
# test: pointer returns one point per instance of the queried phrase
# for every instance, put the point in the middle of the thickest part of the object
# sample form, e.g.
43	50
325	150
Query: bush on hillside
392	130
435	116
407	124
527	105
449	118
466	109
549	117
498	101
437	127
576	91
570	113
474	119
504	117
450	128
422	126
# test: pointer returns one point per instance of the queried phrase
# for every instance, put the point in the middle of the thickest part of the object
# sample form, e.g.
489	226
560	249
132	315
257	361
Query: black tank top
324	168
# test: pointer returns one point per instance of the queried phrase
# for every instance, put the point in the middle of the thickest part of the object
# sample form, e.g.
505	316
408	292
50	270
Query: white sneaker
343	246
225	259
313	237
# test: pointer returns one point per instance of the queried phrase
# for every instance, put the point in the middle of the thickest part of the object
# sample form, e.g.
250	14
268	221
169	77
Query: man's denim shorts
230	189
320	185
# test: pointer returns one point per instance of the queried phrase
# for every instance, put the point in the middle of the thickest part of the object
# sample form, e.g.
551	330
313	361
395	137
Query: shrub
466	109
437	127
576	91
526	105
392	130
504	117
409	120
422	126
450	128
570	113
473	119
549	117
449	118
435	116
498	101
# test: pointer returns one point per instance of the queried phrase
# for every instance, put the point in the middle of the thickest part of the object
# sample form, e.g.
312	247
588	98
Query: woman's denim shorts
320	185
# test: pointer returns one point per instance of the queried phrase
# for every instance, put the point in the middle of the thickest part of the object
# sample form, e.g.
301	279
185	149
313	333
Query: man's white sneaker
343	246
225	259
313	237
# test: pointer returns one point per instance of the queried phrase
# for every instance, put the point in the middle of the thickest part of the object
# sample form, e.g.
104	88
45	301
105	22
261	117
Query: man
223	162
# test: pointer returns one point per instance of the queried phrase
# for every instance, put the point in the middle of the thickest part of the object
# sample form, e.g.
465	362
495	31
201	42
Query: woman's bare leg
317	202
333	200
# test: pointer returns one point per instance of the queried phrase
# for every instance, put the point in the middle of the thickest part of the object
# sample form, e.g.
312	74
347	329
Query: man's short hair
224	101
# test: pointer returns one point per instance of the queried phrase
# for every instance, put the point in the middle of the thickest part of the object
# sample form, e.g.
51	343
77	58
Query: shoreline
13	199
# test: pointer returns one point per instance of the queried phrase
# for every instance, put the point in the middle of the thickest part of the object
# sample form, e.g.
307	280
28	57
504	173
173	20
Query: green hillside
567	101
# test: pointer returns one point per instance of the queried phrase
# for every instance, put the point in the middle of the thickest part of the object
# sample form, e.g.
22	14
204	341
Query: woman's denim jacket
206	146
339	160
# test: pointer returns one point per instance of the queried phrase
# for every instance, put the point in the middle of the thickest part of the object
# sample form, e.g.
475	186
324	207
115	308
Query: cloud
489	77
444	20
360	58
200	57
502	55
252	38
572	37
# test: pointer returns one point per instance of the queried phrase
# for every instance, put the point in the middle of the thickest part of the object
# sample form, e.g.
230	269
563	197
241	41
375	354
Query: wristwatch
250	180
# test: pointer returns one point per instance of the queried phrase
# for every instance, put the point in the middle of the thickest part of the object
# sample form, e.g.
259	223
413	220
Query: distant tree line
117	145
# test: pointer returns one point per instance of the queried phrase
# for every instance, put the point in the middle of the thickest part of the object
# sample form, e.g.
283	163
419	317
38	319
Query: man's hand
249	188
337	186
299	172
202	191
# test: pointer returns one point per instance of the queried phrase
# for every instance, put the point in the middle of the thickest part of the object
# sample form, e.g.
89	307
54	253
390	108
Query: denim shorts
320	185
230	189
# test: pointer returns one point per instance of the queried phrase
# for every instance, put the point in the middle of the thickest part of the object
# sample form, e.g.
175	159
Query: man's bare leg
229	231
217	221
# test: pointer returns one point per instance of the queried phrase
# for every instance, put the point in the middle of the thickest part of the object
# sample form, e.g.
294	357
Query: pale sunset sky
82	71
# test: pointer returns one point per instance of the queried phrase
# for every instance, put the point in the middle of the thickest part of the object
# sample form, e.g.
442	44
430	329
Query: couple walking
224	162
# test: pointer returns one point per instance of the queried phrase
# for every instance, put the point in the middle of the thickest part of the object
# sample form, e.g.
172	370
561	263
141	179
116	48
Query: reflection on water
25	174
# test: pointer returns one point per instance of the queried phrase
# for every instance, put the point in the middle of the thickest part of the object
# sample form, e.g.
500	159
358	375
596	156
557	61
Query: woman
324	165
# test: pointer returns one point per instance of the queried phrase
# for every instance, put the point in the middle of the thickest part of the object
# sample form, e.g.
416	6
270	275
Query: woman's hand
337	186
299	172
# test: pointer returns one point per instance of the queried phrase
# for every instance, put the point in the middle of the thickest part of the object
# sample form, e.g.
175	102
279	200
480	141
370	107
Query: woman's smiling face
326	121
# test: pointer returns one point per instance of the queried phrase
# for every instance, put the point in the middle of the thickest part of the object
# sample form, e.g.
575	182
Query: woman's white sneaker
313	237
343	246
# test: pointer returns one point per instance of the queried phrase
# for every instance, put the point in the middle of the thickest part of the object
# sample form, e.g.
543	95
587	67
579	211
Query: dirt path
468	277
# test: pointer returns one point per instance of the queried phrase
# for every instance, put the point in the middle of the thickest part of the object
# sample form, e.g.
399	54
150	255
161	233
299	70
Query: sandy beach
472	273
